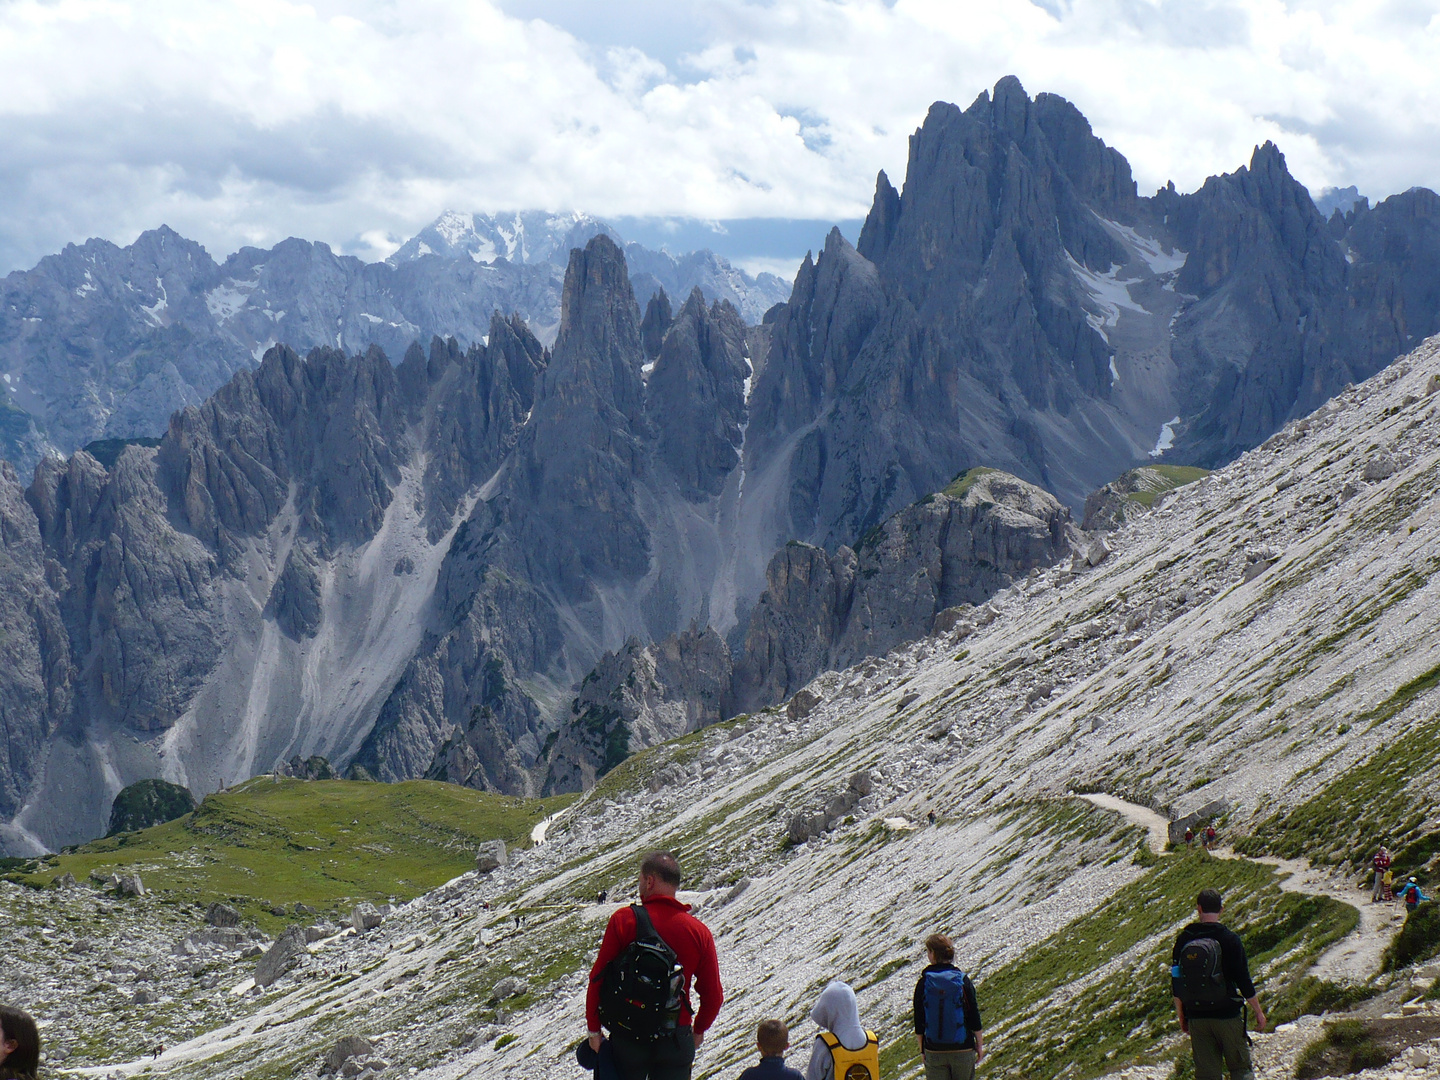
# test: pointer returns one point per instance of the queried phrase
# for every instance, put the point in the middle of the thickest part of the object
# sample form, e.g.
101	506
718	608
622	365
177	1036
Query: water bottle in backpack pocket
1199	977
945	1008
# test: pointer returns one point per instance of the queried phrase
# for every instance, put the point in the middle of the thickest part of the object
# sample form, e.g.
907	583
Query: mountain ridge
99	341
419	566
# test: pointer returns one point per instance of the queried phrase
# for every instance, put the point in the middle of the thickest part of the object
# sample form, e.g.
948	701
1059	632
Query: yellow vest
862	1064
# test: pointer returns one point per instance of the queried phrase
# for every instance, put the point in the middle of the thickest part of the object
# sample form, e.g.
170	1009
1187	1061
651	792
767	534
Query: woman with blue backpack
947	1016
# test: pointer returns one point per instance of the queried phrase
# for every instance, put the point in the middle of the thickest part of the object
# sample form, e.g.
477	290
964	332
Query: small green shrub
1347	1046
1345	1033
1368	1056
506	1039
1312	996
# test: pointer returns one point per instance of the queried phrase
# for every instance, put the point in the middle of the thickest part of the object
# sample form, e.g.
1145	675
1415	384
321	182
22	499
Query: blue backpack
945	1007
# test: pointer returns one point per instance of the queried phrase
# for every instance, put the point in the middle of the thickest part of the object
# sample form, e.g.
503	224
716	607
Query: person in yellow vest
843	1050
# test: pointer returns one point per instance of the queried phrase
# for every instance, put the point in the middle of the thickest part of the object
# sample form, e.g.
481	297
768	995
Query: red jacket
694	948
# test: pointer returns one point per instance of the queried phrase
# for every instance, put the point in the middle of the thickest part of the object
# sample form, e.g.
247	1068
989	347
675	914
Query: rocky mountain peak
1010	109
696	395
598	313
655	324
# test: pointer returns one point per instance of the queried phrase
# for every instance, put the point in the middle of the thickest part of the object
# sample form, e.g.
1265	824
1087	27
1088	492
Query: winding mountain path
1355	957
1157	826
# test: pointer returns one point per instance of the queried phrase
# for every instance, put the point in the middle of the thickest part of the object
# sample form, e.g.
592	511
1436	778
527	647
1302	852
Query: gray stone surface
285	954
365	916
641	696
221	915
822	612
491	856
351	1046
1196	819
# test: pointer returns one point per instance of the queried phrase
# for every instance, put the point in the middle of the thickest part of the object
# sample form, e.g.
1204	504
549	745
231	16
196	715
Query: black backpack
1199	977
642	988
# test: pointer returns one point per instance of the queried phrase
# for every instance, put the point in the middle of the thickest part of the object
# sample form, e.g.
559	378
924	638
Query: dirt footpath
1353	959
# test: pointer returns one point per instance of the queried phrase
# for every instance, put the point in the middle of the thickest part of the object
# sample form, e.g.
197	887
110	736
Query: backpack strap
830	1039
644	927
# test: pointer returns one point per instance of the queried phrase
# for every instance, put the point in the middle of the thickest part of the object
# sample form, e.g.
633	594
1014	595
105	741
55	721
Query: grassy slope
326	843
961	484
1155	480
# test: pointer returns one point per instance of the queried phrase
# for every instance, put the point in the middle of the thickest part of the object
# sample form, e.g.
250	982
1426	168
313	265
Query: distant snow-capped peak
526	236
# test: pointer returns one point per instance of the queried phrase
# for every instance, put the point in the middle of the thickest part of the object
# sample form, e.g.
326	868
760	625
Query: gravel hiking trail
1356	957
1156	826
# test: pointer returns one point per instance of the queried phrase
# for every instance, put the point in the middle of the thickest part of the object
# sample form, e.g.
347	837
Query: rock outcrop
1019	304
960	546
819	612
641	696
491	856
285	954
1136	492
147	803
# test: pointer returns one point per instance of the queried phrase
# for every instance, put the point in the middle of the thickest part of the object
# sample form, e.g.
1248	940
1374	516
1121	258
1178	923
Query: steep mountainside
105	342
1265	639
1018	306
928	564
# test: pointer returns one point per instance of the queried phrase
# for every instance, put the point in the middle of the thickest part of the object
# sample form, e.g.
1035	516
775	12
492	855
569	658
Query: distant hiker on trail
844	1050
1209	836
1189	837
1381	862
773	1039
600	897
19	1045
159	1049
1412	896
640	985
1387	891
1210	978
947	1018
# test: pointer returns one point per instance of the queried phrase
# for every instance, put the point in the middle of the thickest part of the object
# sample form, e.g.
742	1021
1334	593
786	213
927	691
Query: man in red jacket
670	1055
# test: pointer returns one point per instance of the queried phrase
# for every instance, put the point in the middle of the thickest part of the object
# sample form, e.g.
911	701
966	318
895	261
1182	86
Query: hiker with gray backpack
947	1017
1210	979
650	956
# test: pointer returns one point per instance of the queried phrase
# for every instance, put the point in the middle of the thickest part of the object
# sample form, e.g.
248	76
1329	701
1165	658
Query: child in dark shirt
773	1038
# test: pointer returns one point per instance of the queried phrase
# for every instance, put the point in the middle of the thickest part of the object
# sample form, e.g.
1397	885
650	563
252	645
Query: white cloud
355	123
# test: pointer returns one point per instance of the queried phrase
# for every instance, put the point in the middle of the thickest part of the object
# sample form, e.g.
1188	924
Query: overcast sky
356	123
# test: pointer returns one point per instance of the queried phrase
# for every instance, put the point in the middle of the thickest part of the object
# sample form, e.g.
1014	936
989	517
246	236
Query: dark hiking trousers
1220	1046
666	1058
949	1064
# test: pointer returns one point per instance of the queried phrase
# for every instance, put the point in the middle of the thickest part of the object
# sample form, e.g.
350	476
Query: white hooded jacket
837	1012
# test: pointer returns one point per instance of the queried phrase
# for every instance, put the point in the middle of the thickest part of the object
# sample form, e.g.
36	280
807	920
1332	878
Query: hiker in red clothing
1381	862
654	1040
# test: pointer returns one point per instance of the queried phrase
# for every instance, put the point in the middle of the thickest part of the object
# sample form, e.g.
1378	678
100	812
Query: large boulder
282	956
218	914
147	803
366	916
491	856
351	1046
